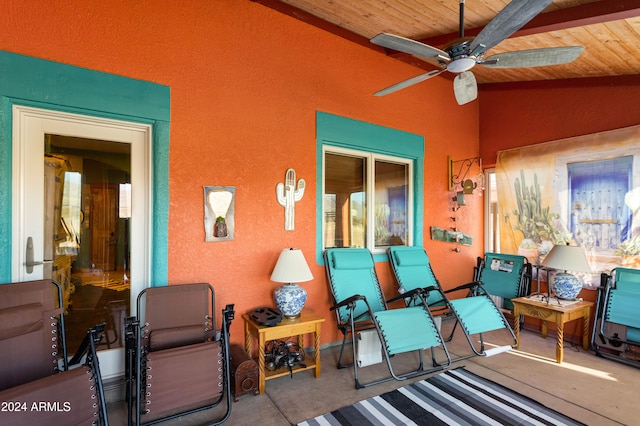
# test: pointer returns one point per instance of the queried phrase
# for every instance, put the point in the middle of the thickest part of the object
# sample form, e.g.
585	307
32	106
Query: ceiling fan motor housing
459	53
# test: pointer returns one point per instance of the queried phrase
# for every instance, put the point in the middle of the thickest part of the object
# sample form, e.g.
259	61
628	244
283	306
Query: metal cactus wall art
288	194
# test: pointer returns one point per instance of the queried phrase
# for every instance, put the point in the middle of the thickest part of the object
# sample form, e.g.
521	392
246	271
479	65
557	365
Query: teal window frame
336	131
51	85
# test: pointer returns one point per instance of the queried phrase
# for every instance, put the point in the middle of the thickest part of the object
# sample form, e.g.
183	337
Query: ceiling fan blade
406	45
534	57
465	87
509	20
407	83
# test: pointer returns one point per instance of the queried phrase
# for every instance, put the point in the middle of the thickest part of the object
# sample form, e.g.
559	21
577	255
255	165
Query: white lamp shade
567	258
291	267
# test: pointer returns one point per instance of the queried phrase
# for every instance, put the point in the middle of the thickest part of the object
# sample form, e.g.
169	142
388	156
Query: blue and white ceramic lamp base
290	299
566	286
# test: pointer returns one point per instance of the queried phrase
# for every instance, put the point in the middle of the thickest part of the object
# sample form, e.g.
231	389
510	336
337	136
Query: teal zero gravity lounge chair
360	305
504	276
616	334
477	314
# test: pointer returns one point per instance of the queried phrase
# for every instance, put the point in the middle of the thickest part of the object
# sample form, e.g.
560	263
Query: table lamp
566	258
291	268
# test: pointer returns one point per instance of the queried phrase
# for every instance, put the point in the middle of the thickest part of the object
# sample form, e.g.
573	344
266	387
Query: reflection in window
492	222
344	202
391	199
92	250
346	197
70	213
124	204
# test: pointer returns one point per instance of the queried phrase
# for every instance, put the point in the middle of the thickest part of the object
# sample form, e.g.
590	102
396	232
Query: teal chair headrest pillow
351	259
413	256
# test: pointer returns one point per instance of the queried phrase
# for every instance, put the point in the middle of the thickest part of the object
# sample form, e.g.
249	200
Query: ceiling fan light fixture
461	65
465	88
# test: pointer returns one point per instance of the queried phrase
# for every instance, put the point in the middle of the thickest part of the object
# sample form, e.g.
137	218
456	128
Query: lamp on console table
290	269
566	258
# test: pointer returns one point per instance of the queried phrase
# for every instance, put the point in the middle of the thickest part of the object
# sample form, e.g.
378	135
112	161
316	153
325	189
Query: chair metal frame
477	296
610	338
355	322
88	348
135	335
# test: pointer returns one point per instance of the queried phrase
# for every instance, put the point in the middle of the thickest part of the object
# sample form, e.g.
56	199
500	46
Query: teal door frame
54	86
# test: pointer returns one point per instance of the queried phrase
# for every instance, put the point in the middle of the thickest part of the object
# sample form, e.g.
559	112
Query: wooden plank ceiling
608	29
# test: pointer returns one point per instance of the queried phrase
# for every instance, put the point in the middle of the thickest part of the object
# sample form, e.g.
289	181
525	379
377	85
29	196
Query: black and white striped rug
455	397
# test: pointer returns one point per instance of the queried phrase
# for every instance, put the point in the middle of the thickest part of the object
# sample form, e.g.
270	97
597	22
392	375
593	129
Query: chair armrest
422	293
347	302
412	293
472	286
402	296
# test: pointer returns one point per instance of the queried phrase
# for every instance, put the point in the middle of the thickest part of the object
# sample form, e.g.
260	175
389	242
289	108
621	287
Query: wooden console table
560	314
308	322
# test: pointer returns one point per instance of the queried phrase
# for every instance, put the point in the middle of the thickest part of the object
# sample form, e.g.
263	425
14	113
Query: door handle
29	262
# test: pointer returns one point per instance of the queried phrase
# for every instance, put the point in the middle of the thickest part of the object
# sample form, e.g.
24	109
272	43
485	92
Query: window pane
391	204
344	201
71	214
492	233
89	240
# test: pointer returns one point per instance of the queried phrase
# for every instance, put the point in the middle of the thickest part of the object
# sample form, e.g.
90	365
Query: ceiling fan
463	53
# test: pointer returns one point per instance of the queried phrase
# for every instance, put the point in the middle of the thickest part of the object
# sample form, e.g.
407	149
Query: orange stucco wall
520	114
246	82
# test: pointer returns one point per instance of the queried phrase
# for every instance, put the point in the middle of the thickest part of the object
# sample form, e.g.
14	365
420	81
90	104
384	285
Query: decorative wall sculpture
219	206
288	194
583	190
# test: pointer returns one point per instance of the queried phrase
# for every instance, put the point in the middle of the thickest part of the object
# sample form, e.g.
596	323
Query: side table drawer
288	330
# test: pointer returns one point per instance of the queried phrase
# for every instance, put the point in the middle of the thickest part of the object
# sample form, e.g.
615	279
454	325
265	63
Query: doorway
86	222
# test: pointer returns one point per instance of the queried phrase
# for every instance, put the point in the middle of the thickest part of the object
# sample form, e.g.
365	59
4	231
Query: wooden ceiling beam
587	14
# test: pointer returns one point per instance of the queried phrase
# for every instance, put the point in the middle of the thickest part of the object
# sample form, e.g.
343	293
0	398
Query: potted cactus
535	222
220	229
629	252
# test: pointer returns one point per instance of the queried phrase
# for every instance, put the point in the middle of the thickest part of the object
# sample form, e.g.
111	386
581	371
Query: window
369	186
355	180
492	221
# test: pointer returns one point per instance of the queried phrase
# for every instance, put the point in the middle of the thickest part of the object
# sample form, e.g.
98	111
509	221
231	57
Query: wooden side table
308	322
560	314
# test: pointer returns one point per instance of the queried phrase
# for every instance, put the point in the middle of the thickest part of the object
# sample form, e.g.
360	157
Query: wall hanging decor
288	194
219	212
583	191
451	236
